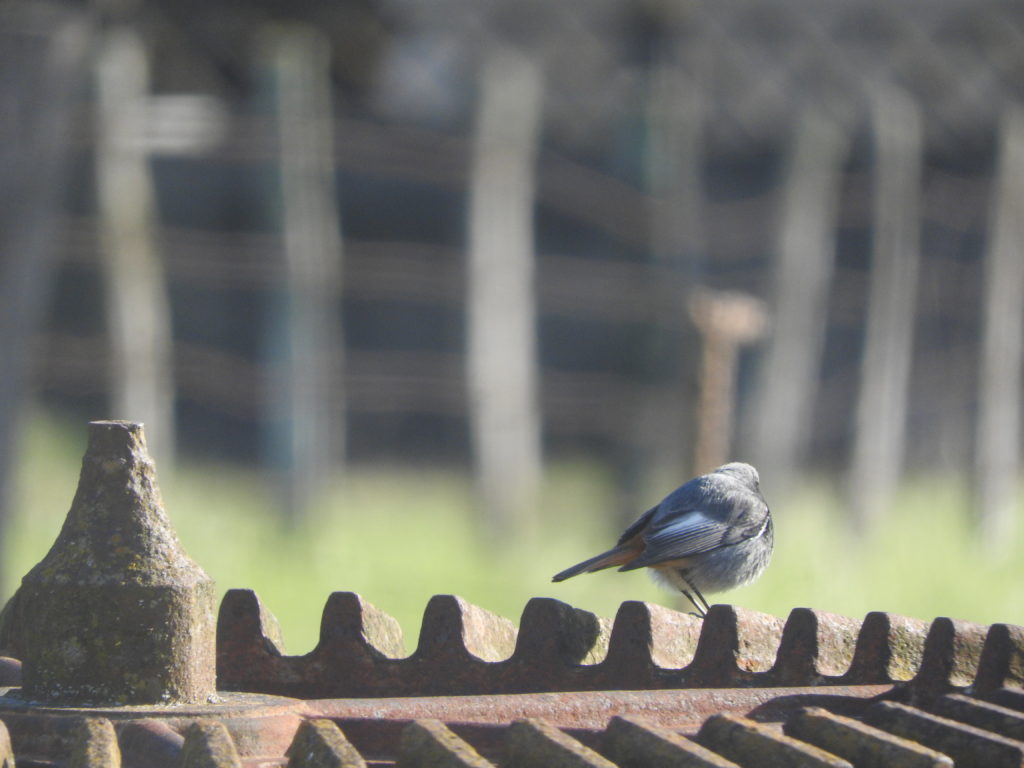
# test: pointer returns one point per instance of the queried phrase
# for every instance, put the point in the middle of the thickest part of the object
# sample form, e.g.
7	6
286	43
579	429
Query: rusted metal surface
209	745
651	688
94	744
150	742
716	727
320	742
258	724
10	671
982	714
631	742
1002	659
561	648
6	748
539	744
860	744
786	690
591	710
375	724
966	744
952	654
737	688
430	743
748	742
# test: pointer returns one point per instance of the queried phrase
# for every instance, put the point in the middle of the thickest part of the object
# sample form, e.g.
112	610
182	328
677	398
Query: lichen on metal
554	633
632	743
1002	658
209	745
815	645
6	749
348	618
751	743
94	745
561	648
319	743
116	612
982	714
952	654
453	625
734	645
431	744
537	744
646	635
966	744
889	648
859	743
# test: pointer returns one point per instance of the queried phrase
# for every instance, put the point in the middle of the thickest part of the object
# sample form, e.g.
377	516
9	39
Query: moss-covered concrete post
117	613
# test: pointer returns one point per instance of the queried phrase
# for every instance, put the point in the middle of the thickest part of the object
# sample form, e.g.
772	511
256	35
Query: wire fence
682	148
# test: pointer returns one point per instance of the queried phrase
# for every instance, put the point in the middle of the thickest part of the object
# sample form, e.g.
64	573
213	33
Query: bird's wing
638	526
677	534
630	544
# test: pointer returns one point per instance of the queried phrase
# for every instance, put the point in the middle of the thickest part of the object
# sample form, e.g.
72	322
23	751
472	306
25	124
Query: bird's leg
700	613
702	606
707	606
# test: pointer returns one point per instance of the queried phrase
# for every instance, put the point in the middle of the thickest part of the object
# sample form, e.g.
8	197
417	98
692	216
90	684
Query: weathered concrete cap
117	613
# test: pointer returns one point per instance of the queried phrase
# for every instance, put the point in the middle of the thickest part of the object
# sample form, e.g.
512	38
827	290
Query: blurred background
421	298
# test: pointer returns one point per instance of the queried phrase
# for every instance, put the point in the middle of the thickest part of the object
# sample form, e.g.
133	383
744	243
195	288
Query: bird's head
744	473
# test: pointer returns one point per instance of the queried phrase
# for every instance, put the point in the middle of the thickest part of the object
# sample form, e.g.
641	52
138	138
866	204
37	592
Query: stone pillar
116	613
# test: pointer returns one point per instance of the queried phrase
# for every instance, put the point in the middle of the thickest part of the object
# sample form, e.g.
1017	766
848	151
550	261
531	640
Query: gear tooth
815	645
734	645
889	649
1002	659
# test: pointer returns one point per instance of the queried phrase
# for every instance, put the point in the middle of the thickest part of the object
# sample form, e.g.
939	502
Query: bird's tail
617	556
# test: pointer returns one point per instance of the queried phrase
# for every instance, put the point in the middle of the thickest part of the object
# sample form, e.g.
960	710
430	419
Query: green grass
399	536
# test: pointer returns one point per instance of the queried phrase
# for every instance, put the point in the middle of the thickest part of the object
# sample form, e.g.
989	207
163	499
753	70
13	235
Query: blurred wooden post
137	308
675	113
788	382
997	457
309	429
662	441
501	302
888	346
43	54
726	322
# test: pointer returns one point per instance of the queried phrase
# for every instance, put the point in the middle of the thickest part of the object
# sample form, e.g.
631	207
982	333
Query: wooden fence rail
826	161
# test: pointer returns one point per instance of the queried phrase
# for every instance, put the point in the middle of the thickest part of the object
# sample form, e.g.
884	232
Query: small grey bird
712	534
